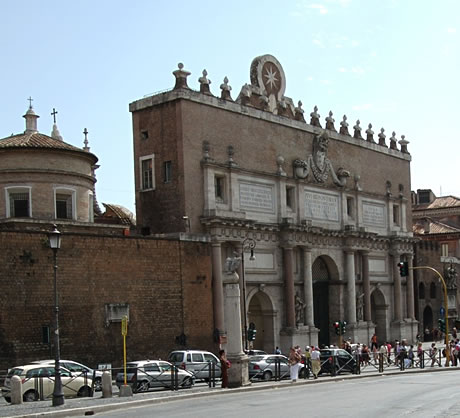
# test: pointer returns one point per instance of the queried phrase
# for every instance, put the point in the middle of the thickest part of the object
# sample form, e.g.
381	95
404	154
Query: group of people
310	358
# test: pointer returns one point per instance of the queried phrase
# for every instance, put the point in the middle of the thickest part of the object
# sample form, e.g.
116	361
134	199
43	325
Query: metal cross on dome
30	101
54	113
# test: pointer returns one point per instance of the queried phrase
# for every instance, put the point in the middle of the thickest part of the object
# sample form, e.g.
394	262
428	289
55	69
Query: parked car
255	353
263	367
143	375
78	369
196	362
32	390
344	361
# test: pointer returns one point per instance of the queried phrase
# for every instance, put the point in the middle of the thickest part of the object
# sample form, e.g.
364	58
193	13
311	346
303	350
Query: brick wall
167	284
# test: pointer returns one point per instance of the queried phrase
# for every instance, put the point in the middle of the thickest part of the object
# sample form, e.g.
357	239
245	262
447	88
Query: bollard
106	384
380	362
16	390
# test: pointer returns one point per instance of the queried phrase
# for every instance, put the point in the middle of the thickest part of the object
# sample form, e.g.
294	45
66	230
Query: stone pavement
91	406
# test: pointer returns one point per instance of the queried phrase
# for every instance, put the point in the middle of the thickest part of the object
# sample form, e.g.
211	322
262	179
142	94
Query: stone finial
31	119
280	163
226	89
299	112
230	153
369	133
344	126
403	144
85	141
204	84
314	121
382	137
393	141
330	122
245	94
181	77
357	130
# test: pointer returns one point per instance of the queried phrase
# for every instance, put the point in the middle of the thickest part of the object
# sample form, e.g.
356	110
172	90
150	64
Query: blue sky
392	63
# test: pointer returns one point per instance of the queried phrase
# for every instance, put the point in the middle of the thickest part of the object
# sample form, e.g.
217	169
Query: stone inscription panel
257	197
373	214
321	206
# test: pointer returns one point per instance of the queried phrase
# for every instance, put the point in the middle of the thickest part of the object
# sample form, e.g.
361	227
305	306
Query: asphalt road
412	395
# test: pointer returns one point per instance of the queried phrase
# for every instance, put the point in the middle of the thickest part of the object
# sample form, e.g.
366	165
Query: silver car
263	367
201	364
145	374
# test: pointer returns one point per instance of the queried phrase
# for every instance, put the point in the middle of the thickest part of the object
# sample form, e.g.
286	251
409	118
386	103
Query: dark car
336	358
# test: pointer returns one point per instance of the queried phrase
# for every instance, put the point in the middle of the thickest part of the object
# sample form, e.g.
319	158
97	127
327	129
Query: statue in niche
232	264
451	275
299	308
318	165
360	307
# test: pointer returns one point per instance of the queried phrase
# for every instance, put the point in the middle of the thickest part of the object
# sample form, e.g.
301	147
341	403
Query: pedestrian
224	366
277	350
365	355
294	363
374	342
315	361
384	353
307	357
433	351
388	344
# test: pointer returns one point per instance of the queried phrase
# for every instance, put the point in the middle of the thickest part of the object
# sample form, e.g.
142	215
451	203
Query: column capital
349	250
306	248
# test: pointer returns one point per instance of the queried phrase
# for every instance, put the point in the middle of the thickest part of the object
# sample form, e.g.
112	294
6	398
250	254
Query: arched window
421	291
432	290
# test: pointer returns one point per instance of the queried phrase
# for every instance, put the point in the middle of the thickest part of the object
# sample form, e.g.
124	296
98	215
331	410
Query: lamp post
58	395
247	244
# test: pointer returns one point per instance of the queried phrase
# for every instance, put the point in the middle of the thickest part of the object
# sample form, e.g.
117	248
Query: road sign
442	311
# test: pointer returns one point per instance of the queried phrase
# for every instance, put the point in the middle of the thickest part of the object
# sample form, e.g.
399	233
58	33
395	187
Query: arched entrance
260	312
428	323
321	277
379	314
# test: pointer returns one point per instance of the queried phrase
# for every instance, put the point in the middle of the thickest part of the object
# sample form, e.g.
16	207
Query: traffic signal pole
446	314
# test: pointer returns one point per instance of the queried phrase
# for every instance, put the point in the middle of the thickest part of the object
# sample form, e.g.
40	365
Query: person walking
315	362
277	350
294	363
224	366
433	351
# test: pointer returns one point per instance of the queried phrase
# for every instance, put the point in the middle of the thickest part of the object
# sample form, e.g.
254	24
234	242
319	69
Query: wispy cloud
452	30
319	7
318	42
358	70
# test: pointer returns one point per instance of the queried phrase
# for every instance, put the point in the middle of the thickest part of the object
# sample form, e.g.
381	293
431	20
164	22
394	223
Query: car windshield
257	358
15	372
175	357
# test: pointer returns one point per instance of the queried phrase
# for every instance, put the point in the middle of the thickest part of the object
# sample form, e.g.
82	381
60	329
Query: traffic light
442	325
403	268
336	326
252	332
343	327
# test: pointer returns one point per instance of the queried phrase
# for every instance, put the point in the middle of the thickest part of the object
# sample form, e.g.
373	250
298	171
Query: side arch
379	315
261	313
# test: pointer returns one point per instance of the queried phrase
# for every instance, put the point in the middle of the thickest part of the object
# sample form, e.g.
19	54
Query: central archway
321	276
260	312
378	315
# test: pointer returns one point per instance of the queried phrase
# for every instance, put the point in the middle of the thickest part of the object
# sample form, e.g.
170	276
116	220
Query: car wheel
85	392
97	384
8	399
187	382
30	396
267	375
143	386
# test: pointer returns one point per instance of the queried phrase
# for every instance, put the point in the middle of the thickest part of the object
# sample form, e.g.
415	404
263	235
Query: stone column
289	287
238	374
217	287
308	288
397	289
410	289
366	286
351	286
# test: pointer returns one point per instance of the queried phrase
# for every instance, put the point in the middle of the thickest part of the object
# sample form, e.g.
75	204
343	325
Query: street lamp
247	244
58	395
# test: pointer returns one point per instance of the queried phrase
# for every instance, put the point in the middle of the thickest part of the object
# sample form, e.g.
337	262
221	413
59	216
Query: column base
238	373
302	335
406	329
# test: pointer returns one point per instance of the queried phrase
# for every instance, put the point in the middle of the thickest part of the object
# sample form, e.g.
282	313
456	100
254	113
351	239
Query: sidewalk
91	406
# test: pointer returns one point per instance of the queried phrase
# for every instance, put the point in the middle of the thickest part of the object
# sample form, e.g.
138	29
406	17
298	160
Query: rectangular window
19	205
145	134
290	197
445	250
219	188
350	207
167	171
147	175
63	206
396	214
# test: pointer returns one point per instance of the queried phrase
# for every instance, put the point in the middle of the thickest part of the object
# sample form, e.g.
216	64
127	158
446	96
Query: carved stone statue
360	307
319	165
299	309
451	276
232	264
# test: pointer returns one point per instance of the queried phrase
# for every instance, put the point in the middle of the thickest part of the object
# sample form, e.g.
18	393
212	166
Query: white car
145	374
200	363
38	383
78	369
